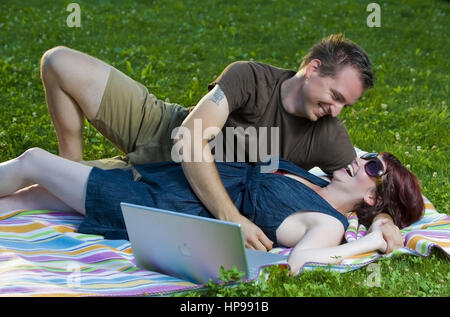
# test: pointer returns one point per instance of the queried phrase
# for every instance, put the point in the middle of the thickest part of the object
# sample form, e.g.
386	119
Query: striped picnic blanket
42	255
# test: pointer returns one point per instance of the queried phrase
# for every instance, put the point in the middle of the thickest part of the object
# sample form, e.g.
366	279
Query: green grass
401	276
176	48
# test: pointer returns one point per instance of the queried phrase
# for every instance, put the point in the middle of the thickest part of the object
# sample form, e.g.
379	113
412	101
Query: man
303	106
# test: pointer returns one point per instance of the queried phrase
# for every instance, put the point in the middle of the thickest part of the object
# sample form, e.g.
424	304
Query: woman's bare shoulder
294	227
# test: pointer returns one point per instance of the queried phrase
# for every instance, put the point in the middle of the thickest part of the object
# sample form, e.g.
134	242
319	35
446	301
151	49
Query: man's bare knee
79	75
53	58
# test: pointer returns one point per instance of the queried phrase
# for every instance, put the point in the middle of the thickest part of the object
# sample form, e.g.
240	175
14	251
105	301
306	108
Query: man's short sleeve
237	81
333	147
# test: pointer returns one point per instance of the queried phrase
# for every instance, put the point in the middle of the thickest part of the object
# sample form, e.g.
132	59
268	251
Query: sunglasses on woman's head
374	167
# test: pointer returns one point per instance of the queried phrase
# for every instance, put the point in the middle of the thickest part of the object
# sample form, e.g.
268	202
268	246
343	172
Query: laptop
190	247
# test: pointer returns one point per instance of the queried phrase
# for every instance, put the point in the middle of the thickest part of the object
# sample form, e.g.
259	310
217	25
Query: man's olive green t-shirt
253	93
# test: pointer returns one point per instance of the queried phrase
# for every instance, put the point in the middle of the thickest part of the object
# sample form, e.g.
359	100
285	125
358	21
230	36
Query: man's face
327	95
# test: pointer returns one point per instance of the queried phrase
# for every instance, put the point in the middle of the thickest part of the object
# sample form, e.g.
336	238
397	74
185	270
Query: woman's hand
377	241
375	233
377	224
391	233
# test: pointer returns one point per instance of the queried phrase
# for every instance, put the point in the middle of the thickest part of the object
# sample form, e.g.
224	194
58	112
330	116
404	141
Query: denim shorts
167	188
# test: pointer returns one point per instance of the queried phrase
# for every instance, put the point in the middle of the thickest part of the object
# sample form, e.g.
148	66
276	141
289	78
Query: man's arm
201	172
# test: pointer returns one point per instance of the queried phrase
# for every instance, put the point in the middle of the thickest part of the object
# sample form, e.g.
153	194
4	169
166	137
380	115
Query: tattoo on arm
217	96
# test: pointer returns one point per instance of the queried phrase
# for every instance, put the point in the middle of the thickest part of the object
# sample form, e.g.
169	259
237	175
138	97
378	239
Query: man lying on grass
293	207
302	104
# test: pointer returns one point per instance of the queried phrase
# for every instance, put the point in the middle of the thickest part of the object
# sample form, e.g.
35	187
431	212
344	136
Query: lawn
176	48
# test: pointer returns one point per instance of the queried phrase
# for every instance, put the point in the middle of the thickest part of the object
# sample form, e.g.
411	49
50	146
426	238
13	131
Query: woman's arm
321	244
62	179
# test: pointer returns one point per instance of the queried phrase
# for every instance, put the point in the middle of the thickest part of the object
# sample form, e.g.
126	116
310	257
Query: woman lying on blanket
293	207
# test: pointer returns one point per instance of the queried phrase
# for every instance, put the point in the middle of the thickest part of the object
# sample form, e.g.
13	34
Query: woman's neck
338	199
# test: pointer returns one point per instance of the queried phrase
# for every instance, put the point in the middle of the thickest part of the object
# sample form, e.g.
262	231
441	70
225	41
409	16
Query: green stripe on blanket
42	255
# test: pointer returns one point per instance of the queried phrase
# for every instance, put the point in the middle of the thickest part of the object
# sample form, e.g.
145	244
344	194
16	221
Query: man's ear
313	66
370	197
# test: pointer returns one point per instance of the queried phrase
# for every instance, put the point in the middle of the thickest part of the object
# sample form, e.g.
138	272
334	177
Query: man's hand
254	237
391	233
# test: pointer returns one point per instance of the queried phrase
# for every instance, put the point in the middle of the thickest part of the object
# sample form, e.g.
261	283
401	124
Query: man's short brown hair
335	52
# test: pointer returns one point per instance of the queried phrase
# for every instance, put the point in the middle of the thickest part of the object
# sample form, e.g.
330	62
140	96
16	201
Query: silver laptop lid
189	247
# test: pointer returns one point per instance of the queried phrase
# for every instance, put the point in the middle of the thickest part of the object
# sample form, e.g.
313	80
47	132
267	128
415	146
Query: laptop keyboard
253	271
256	259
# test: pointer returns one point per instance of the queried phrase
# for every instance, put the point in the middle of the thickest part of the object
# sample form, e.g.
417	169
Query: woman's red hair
399	196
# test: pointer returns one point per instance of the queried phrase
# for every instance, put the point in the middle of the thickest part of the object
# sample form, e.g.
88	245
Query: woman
293	207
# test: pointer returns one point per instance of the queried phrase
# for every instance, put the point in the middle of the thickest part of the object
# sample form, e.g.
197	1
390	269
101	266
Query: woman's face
354	178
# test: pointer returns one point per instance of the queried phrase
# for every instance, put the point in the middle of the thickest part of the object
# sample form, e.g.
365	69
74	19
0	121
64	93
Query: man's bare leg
74	84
